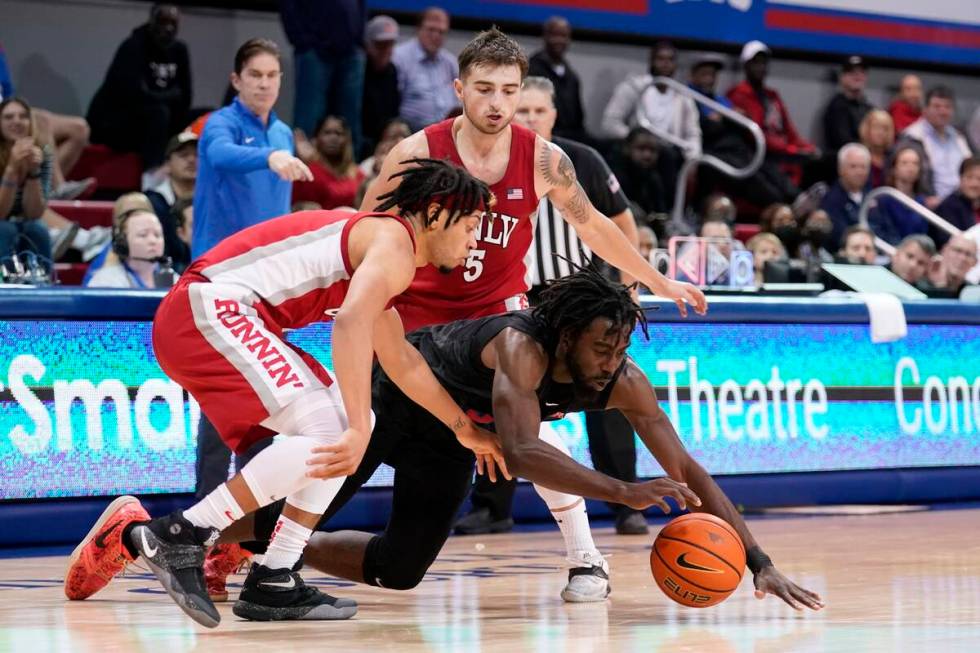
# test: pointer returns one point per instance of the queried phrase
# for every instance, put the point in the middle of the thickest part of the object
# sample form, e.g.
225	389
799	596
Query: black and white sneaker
588	579
173	548
281	595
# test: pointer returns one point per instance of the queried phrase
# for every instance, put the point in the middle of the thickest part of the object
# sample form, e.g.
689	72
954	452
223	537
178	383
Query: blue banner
85	409
940	31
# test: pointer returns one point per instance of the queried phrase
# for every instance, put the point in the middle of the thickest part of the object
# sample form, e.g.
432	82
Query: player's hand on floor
340	458
486	447
770	581
641	496
683	294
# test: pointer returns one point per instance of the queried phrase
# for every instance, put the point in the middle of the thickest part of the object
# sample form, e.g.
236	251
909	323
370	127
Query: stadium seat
745	231
86	213
116	172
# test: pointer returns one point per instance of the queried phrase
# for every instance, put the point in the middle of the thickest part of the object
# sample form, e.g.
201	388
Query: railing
691	163
909	203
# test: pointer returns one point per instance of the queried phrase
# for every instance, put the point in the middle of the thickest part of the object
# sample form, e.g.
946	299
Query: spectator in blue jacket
327	38
962	207
245	157
843	201
892	220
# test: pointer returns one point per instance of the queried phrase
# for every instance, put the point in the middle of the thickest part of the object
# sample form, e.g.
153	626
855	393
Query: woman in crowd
764	247
134	262
25	185
877	132
891	220
336	176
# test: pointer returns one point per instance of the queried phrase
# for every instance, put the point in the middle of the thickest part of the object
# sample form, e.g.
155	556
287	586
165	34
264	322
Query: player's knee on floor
391	570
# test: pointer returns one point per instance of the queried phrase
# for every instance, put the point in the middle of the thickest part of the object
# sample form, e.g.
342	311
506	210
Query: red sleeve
794	142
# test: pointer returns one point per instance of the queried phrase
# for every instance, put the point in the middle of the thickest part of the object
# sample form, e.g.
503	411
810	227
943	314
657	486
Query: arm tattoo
458	424
578	205
564	175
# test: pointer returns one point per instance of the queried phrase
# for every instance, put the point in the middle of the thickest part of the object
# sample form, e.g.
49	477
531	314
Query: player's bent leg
588	577
101	554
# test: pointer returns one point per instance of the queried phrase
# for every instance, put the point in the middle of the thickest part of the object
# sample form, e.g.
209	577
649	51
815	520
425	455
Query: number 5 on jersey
474	265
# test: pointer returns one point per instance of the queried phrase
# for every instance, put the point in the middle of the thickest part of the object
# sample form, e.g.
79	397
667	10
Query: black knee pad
382	569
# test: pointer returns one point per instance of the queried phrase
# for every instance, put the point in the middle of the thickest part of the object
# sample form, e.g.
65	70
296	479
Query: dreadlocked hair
430	181
573	302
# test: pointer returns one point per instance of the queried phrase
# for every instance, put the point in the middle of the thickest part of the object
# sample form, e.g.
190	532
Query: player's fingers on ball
691	496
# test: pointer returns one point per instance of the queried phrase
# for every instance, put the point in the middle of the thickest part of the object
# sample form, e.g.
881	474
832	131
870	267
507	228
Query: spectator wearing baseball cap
381	95
843	115
180	165
762	104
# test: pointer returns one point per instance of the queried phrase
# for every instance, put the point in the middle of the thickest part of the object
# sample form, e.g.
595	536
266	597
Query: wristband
757	560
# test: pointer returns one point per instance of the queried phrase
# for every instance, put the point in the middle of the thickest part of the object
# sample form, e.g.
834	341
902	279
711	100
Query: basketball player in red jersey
219	334
520	168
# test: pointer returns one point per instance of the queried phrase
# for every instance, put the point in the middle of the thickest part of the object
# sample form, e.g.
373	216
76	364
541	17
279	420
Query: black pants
433	473
613	449
143	129
214	458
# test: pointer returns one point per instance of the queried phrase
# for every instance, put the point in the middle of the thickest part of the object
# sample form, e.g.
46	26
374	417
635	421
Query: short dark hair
662	45
428	11
431	181
969	164
253	47
638	131
571	304
942	92
177	211
856	229
492	48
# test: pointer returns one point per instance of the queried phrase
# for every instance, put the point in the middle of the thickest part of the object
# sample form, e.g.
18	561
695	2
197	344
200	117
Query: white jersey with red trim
292	270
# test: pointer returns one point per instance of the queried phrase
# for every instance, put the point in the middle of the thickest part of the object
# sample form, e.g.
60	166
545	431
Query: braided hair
573	302
430	181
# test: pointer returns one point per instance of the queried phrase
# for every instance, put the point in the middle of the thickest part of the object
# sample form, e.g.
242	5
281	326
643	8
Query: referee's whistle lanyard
134	279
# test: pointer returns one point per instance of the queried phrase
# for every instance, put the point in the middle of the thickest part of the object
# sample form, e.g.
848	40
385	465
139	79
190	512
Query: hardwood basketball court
892	582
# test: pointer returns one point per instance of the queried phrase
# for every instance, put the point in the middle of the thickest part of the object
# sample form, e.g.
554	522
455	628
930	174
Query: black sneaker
631	522
479	522
174	548
281	595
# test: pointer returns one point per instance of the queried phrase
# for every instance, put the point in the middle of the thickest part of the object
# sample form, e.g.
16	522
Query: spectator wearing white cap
763	105
382	98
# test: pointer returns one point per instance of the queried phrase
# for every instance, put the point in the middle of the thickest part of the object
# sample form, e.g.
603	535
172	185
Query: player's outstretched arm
520	365
635	397
555	176
414	147
408	369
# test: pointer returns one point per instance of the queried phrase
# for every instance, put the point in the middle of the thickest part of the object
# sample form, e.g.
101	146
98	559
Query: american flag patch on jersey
515	193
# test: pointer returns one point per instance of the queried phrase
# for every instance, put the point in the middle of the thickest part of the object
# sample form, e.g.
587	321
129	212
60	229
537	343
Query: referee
611	439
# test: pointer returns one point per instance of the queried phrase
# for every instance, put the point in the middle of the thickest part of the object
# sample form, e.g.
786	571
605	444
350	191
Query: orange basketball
698	560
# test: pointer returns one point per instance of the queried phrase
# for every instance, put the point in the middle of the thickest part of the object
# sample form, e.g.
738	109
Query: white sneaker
93	241
588	579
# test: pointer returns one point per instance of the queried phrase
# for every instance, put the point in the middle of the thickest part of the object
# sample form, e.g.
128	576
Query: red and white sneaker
222	560
101	555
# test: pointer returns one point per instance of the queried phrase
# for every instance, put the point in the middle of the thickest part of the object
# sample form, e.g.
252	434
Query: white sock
217	510
287	544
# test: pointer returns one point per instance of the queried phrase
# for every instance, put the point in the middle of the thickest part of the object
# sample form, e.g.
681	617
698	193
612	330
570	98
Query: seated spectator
858	247
147	91
550	62
816	235
780	221
426	71
26	164
959	256
381	101
394	133
843	201
764	247
637	101
890	219
912	258
336	176
877	133
180	167
638	173
182	216
763	105
720	231
124	204
962	207
719	207
944	146
137	246
907	107
848	107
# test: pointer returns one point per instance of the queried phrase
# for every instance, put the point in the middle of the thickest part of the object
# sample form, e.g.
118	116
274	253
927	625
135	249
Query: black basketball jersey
453	351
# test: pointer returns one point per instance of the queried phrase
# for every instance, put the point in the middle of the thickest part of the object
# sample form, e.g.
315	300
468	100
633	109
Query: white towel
887	316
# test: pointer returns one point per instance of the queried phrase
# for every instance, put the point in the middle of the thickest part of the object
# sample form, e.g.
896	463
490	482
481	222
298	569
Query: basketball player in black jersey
511	371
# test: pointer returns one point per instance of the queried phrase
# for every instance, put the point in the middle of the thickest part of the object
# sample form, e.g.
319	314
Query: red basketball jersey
499	266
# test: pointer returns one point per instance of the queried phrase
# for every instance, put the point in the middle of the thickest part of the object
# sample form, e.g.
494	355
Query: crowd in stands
362	85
